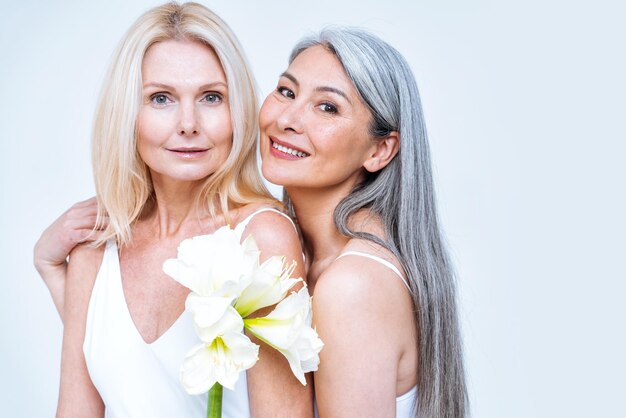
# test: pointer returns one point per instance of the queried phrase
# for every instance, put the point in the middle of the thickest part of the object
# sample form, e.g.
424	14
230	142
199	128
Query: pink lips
189	153
280	154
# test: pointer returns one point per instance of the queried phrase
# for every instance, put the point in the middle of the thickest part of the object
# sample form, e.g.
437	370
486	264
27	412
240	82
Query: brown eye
286	92
328	108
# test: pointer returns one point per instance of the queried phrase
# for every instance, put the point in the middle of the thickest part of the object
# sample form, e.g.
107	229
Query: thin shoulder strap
241	226
379	260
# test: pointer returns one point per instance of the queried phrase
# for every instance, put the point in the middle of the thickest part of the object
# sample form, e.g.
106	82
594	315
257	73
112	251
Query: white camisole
405	403
136	379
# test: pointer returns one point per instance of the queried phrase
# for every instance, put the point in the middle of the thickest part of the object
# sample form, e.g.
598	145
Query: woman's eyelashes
163	99
160	99
212	97
328	107
284	91
325	106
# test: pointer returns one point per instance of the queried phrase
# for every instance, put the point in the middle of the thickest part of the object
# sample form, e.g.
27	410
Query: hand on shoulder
51	250
73	227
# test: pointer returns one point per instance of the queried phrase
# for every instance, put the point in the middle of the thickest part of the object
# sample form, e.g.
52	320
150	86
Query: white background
525	105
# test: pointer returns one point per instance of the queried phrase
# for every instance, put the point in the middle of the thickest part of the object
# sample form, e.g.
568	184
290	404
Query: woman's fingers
73	227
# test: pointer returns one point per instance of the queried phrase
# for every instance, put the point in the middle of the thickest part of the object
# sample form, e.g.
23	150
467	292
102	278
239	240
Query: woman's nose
188	120
291	117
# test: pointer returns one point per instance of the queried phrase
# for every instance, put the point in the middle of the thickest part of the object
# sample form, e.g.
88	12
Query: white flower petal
195	373
244	353
189	277
206	311
294	365
288	329
269	285
308	345
215	264
213	317
221	361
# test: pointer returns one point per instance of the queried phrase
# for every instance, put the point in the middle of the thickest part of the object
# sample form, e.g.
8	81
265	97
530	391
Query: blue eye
159	99
286	92
212	98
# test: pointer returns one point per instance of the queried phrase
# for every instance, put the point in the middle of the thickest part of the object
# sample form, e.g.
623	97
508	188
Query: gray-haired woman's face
314	126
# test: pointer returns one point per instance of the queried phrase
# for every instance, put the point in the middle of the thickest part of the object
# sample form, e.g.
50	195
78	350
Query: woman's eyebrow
168	87
290	77
335	90
326	89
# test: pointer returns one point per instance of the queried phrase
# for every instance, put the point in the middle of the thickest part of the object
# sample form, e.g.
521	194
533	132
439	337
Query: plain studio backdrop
524	104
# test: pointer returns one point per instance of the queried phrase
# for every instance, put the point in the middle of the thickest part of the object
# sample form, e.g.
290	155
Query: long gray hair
402	195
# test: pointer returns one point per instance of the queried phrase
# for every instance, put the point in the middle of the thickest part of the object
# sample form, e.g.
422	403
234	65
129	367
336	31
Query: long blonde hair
123	183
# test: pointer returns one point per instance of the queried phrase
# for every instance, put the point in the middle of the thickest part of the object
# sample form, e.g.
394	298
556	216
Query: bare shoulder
267	221
272	229
354	288
275	235
354	280
364	314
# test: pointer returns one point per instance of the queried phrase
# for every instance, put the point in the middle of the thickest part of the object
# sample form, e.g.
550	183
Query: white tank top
136	379
405	404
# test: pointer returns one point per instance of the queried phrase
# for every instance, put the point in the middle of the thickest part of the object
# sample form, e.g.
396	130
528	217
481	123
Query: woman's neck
175	210
323	242
315	214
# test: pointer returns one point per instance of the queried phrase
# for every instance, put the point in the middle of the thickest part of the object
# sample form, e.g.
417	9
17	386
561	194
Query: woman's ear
384	151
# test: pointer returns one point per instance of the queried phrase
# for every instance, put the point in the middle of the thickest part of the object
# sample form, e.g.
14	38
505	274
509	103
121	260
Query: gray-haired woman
344	134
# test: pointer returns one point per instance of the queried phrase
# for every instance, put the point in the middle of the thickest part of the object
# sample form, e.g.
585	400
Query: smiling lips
287	152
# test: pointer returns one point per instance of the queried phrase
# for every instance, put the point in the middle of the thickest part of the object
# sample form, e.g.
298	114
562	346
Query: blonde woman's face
314	126
184	125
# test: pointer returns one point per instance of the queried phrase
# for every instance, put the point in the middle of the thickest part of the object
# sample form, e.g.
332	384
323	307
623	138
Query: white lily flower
216	264
227	284
220	361
213	316
288	329
269	285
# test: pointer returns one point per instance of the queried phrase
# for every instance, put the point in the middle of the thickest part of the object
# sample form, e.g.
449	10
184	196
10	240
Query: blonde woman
174	156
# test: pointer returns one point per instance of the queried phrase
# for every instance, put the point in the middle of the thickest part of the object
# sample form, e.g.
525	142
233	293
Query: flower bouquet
227	285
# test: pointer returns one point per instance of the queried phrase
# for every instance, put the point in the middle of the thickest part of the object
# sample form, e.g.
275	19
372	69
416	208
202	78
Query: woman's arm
51	250
273	390
357	308
77	396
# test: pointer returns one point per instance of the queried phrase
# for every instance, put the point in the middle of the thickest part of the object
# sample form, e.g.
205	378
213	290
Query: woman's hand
73	227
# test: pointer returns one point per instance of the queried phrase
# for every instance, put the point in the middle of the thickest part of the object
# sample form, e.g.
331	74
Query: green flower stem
214	409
